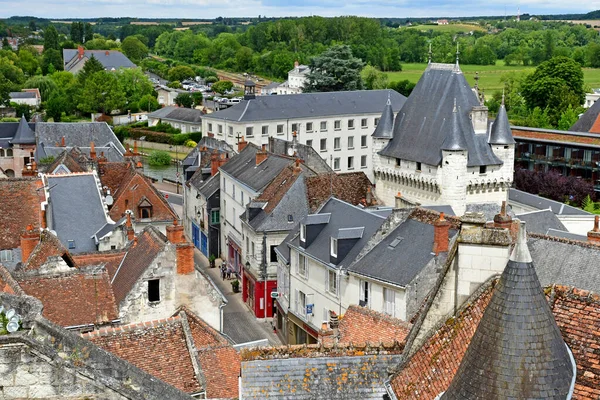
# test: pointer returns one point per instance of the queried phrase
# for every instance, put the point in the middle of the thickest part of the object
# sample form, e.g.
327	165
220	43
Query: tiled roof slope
361	325
150	242
556	136
48	246
517	351
423	123
190	115
20	207
73	159
110	59
110	259
500	132
79	134
385	127
541	221
351	187
114	174
8	284
586	122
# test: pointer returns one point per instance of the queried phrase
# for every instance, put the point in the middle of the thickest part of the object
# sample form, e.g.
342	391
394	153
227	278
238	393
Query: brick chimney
261	155
80	52
175	233
102	158
135	149
214	163
129	228
594	234
297	167
398	203
222	160
369	197
440	235
62	142
92	151
242	144
185	258
502	220
29	239
107	53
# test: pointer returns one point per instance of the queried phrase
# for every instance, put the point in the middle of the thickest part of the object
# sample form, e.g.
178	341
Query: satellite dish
9	314
109	200
290	151
12	326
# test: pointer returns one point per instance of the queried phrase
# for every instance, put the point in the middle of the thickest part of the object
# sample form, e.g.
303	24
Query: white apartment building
338	125
296	79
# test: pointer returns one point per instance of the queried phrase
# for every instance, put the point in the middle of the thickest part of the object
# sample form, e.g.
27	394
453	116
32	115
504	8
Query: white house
440	149
187	119
30	97
166	96
338	125
296	80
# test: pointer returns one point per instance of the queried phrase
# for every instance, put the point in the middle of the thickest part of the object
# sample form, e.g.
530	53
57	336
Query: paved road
238	321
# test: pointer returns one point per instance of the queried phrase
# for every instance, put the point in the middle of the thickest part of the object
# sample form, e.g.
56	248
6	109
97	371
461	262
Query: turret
384	131
503	144
454	165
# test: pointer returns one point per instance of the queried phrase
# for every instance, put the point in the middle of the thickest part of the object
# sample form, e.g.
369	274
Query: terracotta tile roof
556	136
73	159
429	371
361	325
113	174
75	297
278	187
20	206
350	187
110	259
48	246
596	126
8	284
150	242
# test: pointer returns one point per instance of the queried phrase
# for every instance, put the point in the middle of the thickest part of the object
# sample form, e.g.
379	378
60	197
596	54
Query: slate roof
74	160
150	242
77	210
541	203
20	207
566	235
501	132
80	134
525	354
110	59
22	95
385	127
243	168
207	187
8	131
24	133
541	221
309	105
455	138
308	154
343	215
179	114
588	121
401	255
425	120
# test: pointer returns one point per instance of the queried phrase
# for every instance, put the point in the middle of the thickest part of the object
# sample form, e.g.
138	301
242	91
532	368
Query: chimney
175	233
369	197
92	151
261	155
102	158
398	202
29	239
80	52
296	64
214	163
594	234
106	53
30	169
297	167
135	149
440	235
139	165
242	144
479	119
503	220
129	228
185	258
62	142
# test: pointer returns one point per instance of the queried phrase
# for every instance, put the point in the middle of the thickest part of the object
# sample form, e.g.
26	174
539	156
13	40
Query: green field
452	28
490	75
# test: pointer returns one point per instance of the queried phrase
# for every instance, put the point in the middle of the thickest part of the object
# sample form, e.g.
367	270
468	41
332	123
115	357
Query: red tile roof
350	187
110	259
278	187
20	206
73	159
8	284
361	325
48	246
429	371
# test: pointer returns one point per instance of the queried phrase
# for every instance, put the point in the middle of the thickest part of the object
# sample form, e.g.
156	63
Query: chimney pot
441	229
502	220
62	142
261	155
92	151
594	234
175	233
29	239
242	144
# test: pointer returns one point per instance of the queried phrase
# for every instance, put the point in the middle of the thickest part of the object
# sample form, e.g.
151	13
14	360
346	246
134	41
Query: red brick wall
185	258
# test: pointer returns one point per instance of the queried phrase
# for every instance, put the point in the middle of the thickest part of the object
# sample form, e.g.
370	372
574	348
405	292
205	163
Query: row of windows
337	143
224	186
8	153
350	163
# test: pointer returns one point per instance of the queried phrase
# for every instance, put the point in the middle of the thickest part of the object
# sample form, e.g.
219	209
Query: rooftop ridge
378	315
580	243
130	327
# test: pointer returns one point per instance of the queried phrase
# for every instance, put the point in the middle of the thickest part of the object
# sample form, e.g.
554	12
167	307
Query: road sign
274	295
166	196
309	309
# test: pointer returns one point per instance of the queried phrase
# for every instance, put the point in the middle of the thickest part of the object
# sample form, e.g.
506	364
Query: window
418	166
389	302
265	130
220	129
249	131
363	161
224	209
364	292
482	169
350	142
350	162
363	141
273	254
71	244
210	127
336	164
224	186
280	129
398	162
376	121
337	143
233	191
154	290
302	268
337	125
230	131
323	125
295	128
301	303
333	246
303	232
309	142
6	255
323	144
332	282
214	217
309	127
290	218
350	124
252	253
364	123
247	245
2	153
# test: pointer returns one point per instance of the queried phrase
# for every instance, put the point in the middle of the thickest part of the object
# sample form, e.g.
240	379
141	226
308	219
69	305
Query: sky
281	8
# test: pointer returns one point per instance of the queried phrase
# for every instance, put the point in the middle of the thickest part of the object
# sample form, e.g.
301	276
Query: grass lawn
490	75
454	28
173	154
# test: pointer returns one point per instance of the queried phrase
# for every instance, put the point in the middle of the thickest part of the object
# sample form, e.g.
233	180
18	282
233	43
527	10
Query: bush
159	158
552	185
190	143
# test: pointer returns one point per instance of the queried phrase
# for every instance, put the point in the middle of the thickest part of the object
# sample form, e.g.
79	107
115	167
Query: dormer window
303	233
290	218
334	247
482	169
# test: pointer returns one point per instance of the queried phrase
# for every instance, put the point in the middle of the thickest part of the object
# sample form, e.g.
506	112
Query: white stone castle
440	148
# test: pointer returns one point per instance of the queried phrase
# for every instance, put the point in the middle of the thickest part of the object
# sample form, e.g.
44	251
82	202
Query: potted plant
211	260
235	285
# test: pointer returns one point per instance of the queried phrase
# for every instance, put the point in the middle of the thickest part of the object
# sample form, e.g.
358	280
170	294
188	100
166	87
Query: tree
335	69
44	84
134	83
88	32
91	66
243	58
6	45
52	61
180	73
77	32
222	86
148	103
134	49
5	88
51	41
374	78
55	106
27	62
568	118
101	93
404	87
184	100
197	98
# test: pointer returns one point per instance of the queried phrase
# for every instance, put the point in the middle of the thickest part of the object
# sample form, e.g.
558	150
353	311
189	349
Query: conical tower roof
501	132
455	140
24	134
385	127
517	351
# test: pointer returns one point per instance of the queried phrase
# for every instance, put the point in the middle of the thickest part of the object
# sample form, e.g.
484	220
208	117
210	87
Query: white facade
591	98
184	126
296	80
30	101
344	142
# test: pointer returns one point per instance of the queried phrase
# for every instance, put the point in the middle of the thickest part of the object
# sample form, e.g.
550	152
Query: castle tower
503	145
454	165
383	132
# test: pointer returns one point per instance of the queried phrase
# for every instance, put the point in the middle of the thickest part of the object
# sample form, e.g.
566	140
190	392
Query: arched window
10	173
1	152
9	152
